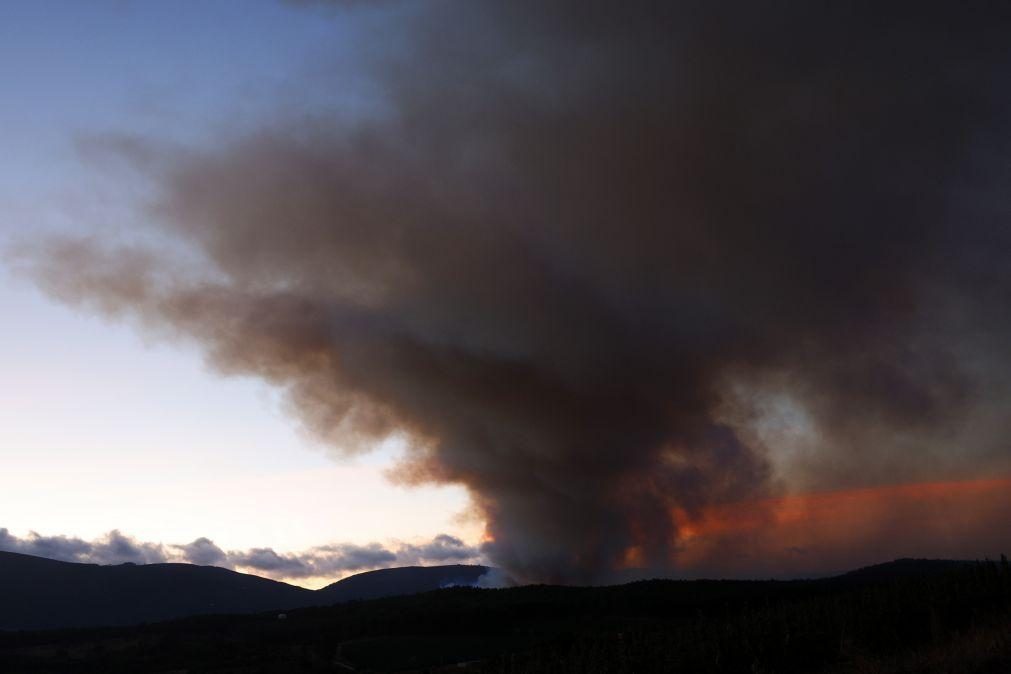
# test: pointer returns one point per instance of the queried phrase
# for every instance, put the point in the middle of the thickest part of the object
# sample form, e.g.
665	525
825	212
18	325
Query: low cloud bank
326	560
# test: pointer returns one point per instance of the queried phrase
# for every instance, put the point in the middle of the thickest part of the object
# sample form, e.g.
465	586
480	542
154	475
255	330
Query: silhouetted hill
903	568
957	621
38	593
399	581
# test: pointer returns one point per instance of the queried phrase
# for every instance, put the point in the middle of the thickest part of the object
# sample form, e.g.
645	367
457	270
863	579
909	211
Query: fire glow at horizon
838	529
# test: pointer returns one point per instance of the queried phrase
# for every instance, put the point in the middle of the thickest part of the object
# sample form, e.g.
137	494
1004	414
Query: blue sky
101	428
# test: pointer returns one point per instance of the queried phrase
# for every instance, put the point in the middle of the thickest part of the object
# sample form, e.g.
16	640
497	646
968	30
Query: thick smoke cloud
319	562
610	265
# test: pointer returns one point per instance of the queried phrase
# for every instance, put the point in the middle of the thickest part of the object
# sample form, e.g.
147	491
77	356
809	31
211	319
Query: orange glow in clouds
837	530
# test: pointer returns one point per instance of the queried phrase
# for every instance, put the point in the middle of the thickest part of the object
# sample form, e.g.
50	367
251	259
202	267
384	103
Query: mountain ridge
400	580
39	593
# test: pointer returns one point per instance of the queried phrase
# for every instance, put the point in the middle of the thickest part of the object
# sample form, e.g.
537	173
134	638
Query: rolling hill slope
38	593
399	581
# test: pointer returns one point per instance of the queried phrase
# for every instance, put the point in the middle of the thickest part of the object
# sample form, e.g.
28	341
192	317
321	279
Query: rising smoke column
579	246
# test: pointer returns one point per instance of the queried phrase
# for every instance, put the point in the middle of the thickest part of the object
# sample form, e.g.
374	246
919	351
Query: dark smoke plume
586	255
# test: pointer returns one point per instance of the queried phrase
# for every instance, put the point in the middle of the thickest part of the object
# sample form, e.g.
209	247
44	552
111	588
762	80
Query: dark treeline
908	616
860	623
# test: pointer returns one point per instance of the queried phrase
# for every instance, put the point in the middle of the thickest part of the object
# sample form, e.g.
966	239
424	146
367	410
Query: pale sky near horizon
101	429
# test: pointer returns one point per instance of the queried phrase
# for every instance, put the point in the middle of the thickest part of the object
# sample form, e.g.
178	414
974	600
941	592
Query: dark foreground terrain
907	616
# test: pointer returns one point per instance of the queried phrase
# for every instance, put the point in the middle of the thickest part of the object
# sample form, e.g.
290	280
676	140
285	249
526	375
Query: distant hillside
903	568
957	620
399	581
38	593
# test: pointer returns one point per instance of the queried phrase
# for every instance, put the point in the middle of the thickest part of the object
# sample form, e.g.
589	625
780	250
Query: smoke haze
612	266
